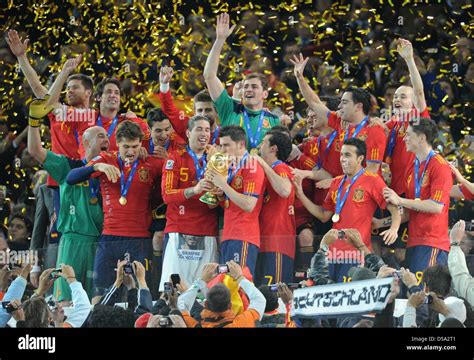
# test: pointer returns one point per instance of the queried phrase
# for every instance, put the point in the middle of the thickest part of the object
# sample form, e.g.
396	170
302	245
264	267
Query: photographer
437	287
15	291
140	301
272	318
462	280
218	306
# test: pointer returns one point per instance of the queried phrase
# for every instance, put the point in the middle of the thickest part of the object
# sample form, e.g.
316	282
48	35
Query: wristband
164	88
33	122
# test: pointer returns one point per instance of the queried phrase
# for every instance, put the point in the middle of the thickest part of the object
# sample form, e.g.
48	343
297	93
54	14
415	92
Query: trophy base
209	199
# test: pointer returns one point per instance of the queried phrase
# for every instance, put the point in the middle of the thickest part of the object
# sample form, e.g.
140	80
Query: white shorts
186	255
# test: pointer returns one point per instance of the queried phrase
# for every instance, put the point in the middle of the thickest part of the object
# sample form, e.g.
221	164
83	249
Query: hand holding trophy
218	163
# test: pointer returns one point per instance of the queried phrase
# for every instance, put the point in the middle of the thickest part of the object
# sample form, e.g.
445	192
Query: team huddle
228	184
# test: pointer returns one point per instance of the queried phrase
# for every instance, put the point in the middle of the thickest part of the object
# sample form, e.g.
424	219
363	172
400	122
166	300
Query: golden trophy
217	162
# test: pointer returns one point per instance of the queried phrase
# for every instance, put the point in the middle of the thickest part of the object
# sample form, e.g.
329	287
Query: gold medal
123	200
93	200
226	204
335	218
254	152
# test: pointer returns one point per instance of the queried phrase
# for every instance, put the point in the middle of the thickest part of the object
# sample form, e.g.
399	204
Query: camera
56	273
53	305
273	287
165	322
168	287
223	269
292	286
128	269
7	305
341	234
396	275
175	279
470	226
428	299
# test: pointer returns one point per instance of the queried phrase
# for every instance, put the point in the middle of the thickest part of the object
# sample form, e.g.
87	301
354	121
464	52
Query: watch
455	243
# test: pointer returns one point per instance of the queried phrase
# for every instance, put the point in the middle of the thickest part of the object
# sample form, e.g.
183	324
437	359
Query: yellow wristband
34	122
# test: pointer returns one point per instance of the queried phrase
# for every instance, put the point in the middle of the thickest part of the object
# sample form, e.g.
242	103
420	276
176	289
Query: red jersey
65	133
467	194
134	218
178	118
310	149
185	216
365	196
302	215
374	137
423	228
238	224
277	219
106	124
398	157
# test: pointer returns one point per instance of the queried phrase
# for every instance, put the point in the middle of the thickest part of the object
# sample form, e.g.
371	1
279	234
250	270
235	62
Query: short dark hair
425	126
85	80
192	121
361	148
26	220
104	316
332	103
155	115
218	298
438	279
362	96
262	77
101	85
128	130
283	129
270	296
283	143
236	133
202	96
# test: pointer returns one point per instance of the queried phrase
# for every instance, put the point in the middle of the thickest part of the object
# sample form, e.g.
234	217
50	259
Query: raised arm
18	49
223	31
37	110
405	49
311	98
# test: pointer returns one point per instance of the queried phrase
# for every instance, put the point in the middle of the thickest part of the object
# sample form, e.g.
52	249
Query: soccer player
186	216
163	141
408	104
275	261
163	138
79	88
80	218
351	202
108	94
303	219
243	198
126	182
353	109
427	188
202	106
249	115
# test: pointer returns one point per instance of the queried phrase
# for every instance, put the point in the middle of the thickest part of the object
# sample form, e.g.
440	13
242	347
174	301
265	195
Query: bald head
95	140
